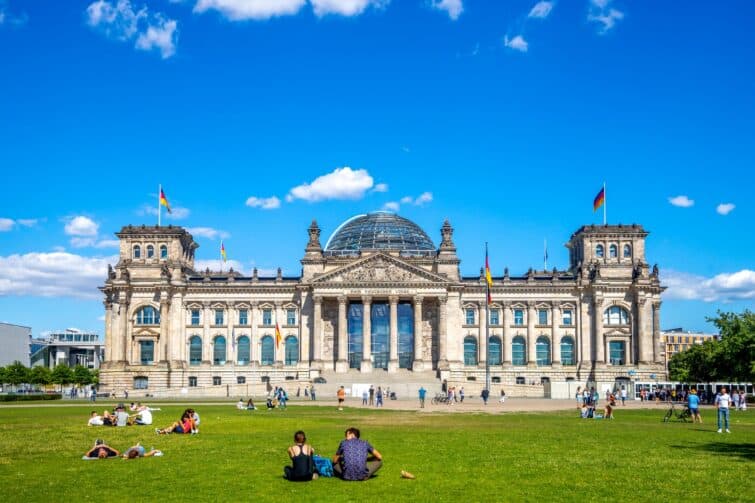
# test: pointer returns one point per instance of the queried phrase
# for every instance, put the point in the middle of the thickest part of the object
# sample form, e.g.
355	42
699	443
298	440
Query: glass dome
379	231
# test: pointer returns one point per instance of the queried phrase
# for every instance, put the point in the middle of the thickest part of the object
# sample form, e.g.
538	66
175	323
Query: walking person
341	394
623	395
723	400
365	395
379	396
461	395
693	402
422	393
485	395
372	394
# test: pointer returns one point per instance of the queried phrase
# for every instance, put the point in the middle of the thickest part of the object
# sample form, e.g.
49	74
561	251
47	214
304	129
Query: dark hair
354	431
300	437
133	453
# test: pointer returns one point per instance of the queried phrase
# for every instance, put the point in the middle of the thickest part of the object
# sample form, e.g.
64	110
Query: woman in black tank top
303	468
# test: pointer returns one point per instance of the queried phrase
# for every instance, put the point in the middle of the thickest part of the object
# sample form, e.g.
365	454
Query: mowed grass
239	456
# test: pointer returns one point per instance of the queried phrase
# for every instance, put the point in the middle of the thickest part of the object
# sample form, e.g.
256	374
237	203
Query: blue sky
257	116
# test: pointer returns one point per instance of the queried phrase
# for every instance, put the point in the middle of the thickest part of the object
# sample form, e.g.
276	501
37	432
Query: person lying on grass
138	451
101	451
185	425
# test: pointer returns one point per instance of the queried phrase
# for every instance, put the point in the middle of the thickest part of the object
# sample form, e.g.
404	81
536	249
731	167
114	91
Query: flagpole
159	193
545	254
487	325
605	205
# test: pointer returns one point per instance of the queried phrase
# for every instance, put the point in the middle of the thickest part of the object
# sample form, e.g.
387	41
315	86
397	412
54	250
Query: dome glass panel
379	231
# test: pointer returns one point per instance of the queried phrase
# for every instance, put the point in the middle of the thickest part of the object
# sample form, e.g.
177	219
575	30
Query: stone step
404	383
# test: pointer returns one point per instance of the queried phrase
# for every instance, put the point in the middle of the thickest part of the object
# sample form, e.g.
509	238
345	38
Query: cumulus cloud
391	206
725	208
266	203
6	224
423	198
107	243
454	8
407	200
517	43
121	21
420	200
237	10
724	287
380	187
208	232
541	10
56	274
681	201
81	226
342	183
344	7
601	12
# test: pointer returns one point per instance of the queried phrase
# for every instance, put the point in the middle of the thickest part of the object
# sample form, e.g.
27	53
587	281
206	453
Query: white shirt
95	421
145	416
723	401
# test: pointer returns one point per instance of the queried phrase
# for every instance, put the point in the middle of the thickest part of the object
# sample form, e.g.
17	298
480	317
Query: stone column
303	334
176	338
393	342
506	342
555	339
658	353
418	365
280	349
163	344
482	316
317	335
108	339
531	336
600	343
342	365
254	349
584	335
206	335
443	332
122	336
366	335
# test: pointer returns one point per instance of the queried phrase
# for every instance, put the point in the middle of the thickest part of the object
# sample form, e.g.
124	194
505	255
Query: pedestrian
379	397
623	395
578	396
693	402
365	396
735	399
503	396
312	393
723	400
341	394
461	395
372	394
742	400
485	394
422	392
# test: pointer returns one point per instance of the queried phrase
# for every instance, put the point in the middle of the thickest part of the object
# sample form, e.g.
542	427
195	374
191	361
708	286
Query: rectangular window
566	317
219	317
147	352
290	316
494	317
195	317
192	381
141	382
243	317
542	316
240	380
267	317
216	381
470	317
520	380
617	352
518	317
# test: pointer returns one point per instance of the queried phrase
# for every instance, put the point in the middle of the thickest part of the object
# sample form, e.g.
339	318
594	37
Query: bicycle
675	414
439	398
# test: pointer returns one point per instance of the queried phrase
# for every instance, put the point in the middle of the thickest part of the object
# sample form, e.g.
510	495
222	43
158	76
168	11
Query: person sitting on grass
143	416
101	451
250	405
303	469
585	411
240	404
185	425
608	411
95	419
138	451
356	459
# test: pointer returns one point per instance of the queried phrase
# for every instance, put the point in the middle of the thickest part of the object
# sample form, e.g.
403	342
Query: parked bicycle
676	413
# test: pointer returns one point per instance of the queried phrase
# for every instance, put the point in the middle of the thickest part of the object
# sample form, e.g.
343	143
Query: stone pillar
531	337
206	335
280	349
482	312
506	342
317	335
342	365
108	339
584	334
176	338
599	341
393	342
122	336
163	343
658	352
303	334
418	365
442	333
366	335
555	339
254	348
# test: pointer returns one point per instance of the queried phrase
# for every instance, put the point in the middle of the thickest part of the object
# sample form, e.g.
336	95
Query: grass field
239	456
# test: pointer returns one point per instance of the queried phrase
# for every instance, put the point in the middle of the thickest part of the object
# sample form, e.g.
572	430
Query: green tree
2	376
16	373
735	355
96	376
40	375
62	375
81	375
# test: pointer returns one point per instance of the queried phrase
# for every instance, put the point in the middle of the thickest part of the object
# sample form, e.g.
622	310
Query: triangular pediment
380	268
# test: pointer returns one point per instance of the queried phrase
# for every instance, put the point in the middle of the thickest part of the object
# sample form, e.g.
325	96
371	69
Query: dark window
494	350
470	351
216	381
195	350
244	349
518	351
268	350
292	350
218	352
141	382
147	352
192	382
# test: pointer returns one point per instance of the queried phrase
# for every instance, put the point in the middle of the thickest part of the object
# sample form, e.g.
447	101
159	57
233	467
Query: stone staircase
404	383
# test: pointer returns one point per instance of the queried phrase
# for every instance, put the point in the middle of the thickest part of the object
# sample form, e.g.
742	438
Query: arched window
148	315
543	349
244	350
567	351
494	350
195	350
615	315
470	351
518	351
599	251
627	251
150	251
137	251
218	352
268	351
613	251
292	350
163	252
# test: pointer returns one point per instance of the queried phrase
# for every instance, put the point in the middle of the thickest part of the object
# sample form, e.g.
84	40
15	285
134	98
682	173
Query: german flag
599	200
277	334
164	201
488	277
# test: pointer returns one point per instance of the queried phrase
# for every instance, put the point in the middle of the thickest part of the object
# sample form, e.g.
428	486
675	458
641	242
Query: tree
62	375
2	376
16	373
81	375
735	358
40	375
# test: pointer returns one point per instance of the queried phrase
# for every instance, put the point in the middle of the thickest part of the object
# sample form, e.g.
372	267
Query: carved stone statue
110	272
447	233
164	271
314	238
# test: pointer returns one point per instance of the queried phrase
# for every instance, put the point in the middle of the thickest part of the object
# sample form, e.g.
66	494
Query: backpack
323	466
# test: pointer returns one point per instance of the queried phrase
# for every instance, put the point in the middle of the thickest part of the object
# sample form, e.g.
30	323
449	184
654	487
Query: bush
23	397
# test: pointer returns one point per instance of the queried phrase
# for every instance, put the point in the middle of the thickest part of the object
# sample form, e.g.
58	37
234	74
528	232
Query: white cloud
56	274
725	208
602	13
2	14
380	187
6	224
81	226
266	203
541	10
423	198
724	287
119	20
177	212
407	200
79	242
342	183
344	7
208	232
391	206
217	265
27	222
237	10
454	8
681	201
107	243
517	43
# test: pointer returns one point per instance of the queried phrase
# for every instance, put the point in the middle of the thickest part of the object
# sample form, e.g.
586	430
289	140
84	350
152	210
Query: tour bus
710	388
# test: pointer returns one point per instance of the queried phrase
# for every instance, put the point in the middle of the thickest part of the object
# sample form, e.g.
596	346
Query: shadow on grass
745	451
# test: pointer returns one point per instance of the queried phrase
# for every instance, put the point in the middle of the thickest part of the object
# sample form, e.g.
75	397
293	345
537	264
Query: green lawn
239	456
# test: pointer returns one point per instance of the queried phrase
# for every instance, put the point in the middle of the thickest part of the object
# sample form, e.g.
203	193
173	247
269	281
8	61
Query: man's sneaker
719	430
157	430
727	430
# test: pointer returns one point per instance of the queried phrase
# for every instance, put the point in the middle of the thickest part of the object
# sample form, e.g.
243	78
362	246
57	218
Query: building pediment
379	268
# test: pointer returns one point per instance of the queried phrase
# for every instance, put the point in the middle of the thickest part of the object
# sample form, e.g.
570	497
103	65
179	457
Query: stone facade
170	329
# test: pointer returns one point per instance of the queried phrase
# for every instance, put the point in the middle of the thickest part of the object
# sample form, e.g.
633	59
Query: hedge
16	397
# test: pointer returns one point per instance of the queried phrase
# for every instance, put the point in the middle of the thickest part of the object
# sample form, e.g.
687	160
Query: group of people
119	417
355	459
248	405
188	424
587	403
374	397
103	451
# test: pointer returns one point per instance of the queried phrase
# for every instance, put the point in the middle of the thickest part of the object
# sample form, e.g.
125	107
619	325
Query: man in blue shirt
422	392
693	402
351	460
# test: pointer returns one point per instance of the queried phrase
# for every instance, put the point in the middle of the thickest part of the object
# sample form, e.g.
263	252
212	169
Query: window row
150	251
242	347
519	351
195	317
494	315
613	251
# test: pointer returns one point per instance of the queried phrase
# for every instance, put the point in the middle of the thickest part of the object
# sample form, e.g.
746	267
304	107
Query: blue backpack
323	466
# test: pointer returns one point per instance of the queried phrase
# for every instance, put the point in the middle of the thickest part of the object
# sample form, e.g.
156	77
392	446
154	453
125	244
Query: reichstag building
380	300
